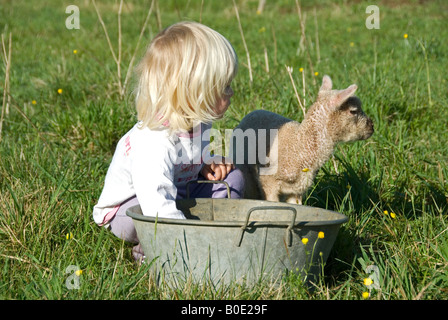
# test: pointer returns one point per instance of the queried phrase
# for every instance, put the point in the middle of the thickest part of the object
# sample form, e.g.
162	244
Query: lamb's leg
295	199
272	193
252	189
273	196
269	187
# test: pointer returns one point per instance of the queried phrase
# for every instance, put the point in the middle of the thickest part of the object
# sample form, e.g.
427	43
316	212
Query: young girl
184	84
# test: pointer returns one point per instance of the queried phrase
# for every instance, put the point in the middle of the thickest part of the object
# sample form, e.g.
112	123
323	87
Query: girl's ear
343	95
326	84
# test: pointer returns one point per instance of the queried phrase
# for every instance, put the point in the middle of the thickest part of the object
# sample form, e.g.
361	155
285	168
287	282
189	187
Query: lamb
296	151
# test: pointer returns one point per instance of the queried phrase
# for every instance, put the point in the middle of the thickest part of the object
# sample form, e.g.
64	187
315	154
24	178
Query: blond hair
183	74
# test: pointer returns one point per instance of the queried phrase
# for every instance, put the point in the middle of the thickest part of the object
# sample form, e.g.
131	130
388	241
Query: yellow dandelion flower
69	236
386	212
405	36
393	215
75	51
365	294
301	69
305	170
34	102
316	73
305	241
321	235
78	272
368	282
262	29
352	44
60	91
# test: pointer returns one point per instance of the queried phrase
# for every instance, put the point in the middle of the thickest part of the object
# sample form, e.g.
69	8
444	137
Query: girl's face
223	103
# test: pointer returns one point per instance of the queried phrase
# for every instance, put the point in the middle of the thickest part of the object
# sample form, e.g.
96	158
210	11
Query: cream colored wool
299	150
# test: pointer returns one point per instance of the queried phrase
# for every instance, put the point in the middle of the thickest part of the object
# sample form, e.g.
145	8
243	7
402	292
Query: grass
56	147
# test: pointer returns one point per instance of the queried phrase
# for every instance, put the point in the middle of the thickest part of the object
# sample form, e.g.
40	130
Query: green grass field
65	115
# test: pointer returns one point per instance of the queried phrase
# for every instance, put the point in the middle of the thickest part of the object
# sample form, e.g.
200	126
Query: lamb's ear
326	84
343	95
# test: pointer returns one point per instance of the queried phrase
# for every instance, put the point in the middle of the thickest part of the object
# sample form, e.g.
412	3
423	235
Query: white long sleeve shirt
151	164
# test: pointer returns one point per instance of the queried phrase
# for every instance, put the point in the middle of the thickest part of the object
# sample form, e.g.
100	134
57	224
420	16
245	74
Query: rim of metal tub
243	223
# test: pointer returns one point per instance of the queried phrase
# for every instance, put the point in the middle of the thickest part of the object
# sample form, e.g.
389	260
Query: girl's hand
218	169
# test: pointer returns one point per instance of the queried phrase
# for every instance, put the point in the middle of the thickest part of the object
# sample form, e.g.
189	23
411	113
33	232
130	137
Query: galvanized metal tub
227	240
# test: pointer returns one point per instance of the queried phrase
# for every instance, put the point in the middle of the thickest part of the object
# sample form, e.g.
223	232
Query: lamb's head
346	121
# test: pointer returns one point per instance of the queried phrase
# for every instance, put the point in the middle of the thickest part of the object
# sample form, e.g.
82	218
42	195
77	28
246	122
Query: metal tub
227	240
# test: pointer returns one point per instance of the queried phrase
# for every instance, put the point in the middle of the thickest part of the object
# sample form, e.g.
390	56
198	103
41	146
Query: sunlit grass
66	115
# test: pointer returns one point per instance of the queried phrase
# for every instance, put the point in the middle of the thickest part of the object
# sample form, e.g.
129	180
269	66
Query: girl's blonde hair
183	74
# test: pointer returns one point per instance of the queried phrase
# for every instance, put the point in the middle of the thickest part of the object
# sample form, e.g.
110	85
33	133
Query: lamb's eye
354	111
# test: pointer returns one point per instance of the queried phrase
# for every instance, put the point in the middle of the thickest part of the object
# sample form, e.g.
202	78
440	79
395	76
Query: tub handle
288	236
208	181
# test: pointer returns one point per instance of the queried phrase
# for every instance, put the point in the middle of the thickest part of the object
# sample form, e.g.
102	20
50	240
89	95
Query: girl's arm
152	176
215	167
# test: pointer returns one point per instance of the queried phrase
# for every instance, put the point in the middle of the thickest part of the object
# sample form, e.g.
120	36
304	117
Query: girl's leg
123	227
